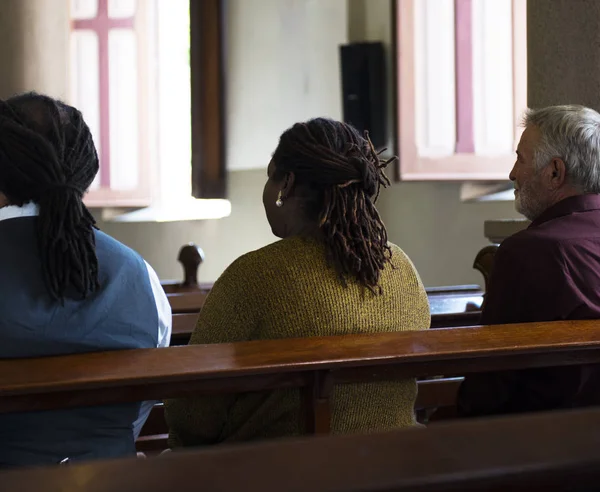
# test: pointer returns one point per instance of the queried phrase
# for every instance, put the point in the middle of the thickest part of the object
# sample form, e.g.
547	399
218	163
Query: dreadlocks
47	156
341	175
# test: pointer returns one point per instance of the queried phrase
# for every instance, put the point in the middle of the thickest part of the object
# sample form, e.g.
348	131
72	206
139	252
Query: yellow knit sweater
287	290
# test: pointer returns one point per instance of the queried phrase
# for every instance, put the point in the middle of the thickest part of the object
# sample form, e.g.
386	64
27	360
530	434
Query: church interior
186	101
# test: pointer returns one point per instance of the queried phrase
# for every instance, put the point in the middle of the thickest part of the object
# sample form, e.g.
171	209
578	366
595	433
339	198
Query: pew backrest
556	451
185	323
450	300
313	364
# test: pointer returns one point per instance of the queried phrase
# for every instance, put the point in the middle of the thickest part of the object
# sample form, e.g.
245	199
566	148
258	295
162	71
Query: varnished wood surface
184	323
441	302
187	302
545	452
176	287
432	394
455	320
484	263
133	375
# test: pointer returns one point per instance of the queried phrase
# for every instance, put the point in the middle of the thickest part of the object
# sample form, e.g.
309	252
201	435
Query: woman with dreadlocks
333	273
65	286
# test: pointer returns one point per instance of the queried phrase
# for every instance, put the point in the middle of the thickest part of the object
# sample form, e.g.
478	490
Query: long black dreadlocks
47	156
341	174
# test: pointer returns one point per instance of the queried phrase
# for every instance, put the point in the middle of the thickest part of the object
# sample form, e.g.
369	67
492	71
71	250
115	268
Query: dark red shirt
550	271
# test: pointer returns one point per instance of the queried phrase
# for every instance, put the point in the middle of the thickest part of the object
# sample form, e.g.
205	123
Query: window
131	77
461	87
111	83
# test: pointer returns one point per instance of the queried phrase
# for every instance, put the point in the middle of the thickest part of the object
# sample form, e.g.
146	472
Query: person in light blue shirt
65	287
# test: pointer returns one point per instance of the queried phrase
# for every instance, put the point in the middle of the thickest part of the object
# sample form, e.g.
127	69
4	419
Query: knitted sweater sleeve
230	314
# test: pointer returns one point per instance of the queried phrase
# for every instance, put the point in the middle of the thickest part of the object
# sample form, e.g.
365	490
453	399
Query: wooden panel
188	302
185	323
433	394
134	375
549	452
190	299
208	98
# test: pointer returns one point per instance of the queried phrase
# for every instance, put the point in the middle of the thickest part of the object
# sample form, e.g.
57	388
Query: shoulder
112	252
277	256
106	243
530	245
403	270
528	253
400	259
268	268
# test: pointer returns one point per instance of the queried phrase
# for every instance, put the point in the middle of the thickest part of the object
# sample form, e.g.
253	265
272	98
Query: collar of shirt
571	205
13	212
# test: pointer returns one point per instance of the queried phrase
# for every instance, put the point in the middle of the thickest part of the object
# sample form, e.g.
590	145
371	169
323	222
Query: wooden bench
313	364
433	394
184	323
550	452
450	307
454	300
456	305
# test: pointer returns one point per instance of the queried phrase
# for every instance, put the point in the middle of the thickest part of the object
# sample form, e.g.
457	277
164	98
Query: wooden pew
311	364
462	299
191	257
185	322
433	394
456	305
450	307
551	452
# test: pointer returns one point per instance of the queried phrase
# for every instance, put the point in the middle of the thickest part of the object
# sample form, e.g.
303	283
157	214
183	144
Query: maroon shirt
550	271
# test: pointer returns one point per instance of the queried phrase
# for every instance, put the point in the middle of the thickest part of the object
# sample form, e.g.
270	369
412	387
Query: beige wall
34	46
441	234
222	240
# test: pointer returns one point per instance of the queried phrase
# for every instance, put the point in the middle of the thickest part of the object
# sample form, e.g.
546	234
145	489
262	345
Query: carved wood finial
484	263
191	257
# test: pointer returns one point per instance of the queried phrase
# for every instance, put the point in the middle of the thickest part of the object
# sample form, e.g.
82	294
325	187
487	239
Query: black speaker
364	89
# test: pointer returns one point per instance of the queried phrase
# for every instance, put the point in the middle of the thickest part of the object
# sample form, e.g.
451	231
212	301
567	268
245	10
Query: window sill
180	210
487	192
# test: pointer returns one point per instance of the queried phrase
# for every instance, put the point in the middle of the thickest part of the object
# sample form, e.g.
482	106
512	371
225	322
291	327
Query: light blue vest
122	314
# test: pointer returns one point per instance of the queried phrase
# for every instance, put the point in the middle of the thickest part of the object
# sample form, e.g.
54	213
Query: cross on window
102	24
464	75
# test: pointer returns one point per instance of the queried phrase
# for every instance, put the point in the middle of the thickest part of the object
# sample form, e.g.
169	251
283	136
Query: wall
282	67
441	234
222	240
34	46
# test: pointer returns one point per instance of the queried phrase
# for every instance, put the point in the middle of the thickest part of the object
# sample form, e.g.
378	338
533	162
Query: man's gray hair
572	133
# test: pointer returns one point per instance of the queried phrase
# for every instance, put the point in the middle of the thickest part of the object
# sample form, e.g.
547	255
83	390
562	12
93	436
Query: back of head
338	175
47	156
572	133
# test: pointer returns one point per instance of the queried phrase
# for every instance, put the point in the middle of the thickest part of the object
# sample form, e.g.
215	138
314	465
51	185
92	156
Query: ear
557	171
288	184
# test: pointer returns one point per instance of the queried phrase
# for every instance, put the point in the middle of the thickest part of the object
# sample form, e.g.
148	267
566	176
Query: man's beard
528	202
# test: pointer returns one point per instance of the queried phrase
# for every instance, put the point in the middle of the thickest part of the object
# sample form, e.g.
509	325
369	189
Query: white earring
279	201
